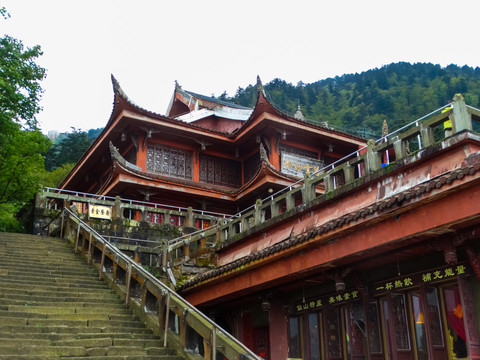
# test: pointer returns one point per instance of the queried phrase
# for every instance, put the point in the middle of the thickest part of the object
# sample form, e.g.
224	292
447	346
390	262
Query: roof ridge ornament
117	89
260	88
298	114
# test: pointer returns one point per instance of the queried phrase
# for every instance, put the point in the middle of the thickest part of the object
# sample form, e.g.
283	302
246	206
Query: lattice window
215	170
169	161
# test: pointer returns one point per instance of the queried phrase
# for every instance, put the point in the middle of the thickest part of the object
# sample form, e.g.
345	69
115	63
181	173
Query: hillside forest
399	93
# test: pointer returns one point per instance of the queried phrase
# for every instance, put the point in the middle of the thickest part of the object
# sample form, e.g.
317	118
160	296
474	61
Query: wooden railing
153	301
405	142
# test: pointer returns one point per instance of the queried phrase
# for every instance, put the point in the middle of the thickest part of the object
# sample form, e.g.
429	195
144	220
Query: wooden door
333	334
397	330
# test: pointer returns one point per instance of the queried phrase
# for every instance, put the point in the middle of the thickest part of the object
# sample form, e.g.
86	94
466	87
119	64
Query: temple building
224	156
340	248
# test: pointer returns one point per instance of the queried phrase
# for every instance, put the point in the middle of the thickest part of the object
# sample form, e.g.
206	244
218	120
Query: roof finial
384	128
298	115
260	85
116	88
177	85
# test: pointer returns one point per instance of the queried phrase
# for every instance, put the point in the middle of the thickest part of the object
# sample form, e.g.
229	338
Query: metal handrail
154	280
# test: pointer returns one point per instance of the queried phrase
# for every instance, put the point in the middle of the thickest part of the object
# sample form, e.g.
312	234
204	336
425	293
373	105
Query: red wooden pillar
278	333
471	328
142	153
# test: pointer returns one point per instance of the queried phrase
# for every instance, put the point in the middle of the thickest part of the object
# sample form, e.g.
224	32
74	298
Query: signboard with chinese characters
333	299
99	212
299	166
414	280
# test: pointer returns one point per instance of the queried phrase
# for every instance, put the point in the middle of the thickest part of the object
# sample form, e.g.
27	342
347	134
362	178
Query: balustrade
153	301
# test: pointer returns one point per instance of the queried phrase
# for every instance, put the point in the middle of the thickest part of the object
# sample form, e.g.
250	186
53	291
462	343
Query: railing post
214	343
166	218
102	262
114	271
329	184
274	208
167	316
61	224
161	312
183	329
399	148
186	250
461	120
373	158
129	279
89	255
144	294
165	254
258	212
290	200
231	228
349	172
245	223
77	237
308	190
189	219
427	135
209	346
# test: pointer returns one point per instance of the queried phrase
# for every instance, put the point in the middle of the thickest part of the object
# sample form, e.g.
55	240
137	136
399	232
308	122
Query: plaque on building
299	166
99	211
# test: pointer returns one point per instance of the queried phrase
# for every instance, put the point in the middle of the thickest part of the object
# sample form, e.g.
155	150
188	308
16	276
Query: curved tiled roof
376	208
118	91
261	95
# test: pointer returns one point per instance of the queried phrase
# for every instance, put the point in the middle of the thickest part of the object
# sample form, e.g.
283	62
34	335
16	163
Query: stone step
86	322
46	282
112	357
62	316
52	306
70	351
32	286
54	281
20	273
65	336
67	292
64	329
38	300
43	350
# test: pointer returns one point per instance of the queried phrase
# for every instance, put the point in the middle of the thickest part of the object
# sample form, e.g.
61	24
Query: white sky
212	46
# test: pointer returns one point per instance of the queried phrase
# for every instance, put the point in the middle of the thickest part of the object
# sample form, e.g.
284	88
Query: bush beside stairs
52	306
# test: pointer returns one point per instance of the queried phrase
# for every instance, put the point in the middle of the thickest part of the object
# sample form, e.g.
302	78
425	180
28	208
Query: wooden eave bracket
148	135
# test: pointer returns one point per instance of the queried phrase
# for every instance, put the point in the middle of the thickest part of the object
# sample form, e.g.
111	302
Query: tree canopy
21	142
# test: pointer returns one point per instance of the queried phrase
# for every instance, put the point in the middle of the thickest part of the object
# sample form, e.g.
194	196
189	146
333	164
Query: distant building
53	134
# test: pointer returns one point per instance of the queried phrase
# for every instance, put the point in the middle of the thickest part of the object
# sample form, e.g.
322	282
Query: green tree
21	143
69	148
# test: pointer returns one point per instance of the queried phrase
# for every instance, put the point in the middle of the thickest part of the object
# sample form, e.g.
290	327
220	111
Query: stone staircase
52	306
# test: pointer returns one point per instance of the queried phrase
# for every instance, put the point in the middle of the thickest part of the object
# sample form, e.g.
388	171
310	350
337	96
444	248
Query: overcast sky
212	46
